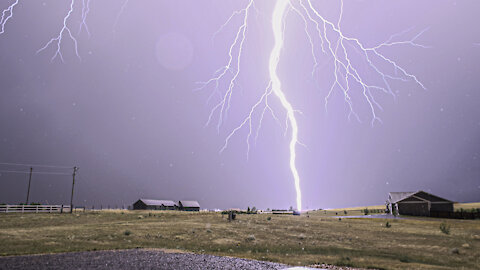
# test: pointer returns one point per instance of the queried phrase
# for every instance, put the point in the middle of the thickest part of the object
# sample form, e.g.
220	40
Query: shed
189	205
148	204
419	203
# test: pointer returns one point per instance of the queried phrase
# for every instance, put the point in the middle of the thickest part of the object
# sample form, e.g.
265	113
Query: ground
133	259
310	239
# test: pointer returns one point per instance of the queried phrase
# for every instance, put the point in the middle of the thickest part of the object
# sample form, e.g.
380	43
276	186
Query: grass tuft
444	228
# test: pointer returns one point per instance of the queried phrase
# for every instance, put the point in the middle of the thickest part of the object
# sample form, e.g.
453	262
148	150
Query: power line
36	165
55	173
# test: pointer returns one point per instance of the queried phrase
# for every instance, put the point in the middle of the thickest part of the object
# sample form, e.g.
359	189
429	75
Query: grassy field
359	208
296	240
466	206
457	206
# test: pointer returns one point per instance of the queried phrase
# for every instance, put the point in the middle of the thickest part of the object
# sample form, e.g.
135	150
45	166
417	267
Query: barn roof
395	197
158	202
189	203
398	196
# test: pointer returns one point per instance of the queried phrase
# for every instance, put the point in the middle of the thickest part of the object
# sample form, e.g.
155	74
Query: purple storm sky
127	115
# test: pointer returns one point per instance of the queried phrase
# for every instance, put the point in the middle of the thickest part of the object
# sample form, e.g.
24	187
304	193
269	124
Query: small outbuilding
147	204
418	203
189	205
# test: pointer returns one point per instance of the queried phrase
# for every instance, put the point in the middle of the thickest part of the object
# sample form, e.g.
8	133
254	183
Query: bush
127	232
366	211
388	225
445	228
404	259
344	261
250	238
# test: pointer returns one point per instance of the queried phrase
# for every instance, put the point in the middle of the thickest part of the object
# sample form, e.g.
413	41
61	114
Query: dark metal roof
158	202
189	204
395	197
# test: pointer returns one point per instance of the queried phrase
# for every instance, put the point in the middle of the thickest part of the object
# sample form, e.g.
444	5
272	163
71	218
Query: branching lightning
333	43
119	14
64	31
85	11
7	14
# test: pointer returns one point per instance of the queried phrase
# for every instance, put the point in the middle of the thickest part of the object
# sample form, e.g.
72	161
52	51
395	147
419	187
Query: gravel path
131	259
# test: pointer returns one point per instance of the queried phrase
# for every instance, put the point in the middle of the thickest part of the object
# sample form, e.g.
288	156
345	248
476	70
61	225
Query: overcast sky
127	114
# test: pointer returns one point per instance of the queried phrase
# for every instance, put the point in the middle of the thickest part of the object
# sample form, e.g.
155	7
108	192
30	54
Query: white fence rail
18	208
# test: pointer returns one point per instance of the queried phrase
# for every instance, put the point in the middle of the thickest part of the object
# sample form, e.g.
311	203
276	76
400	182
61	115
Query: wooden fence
19	208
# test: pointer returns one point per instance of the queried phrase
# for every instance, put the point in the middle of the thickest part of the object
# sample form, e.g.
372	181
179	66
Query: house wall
442	207
139	206
154	207
191	209
413	208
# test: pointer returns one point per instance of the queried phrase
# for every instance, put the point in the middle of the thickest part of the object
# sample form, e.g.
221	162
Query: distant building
146	204
189	205
418	203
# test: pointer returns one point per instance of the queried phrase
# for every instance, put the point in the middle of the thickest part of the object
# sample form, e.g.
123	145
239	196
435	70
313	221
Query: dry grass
295	240
466	206
359	208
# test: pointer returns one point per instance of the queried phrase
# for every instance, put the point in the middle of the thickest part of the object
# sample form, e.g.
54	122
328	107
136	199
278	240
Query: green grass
295	240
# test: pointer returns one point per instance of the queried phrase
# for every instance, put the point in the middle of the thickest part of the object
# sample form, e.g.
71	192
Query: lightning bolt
117	19
64	31
340	48
85	11
334	43
277	26
6	15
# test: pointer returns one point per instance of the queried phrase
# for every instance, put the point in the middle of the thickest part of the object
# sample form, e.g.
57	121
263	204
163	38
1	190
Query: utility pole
29	182
73	185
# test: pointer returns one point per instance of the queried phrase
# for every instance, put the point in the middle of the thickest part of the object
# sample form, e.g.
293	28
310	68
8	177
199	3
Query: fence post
23	208
6	209
73	185
29	182
36	208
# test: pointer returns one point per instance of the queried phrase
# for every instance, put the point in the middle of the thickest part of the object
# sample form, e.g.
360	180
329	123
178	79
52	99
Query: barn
189	205
418	203
147	204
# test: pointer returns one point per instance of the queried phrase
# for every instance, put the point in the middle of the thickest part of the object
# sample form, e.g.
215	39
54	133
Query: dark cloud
135	127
